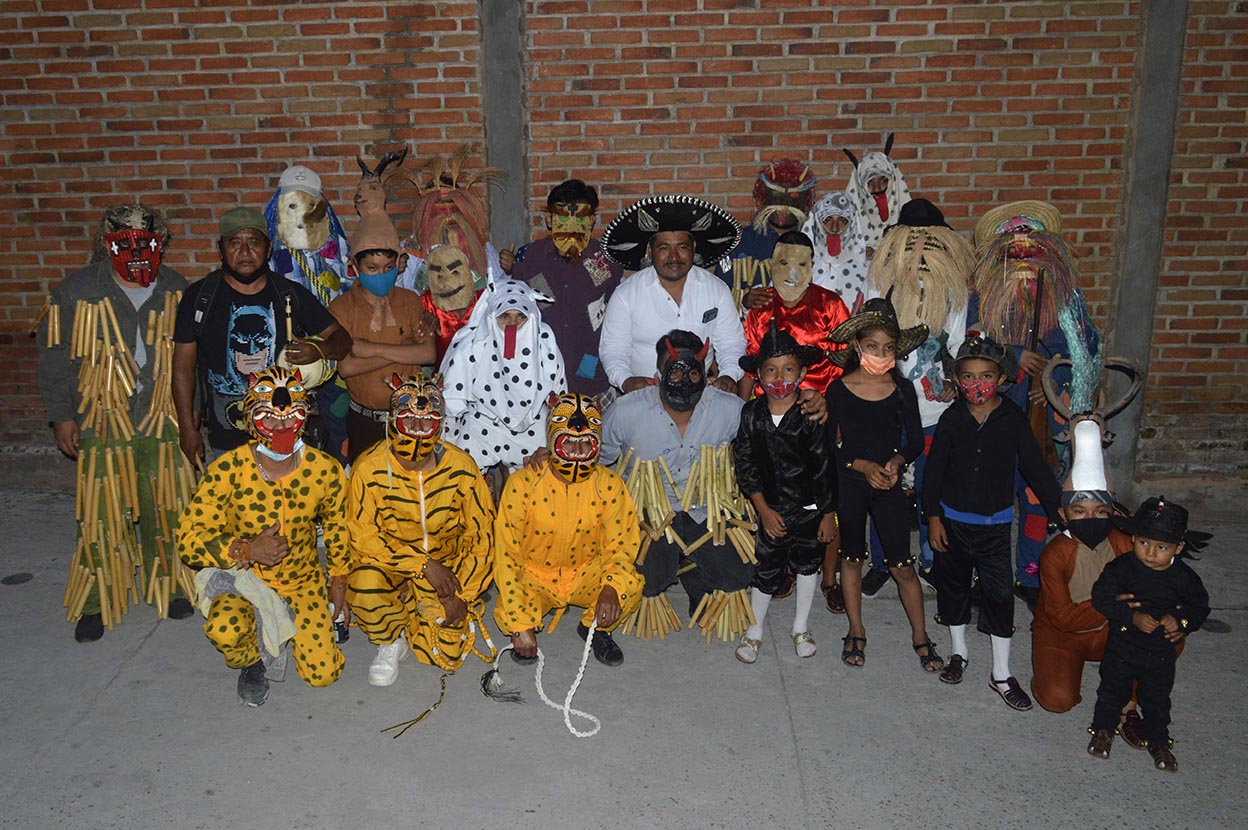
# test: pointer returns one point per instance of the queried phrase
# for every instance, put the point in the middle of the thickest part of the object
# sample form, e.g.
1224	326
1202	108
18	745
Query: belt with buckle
378	415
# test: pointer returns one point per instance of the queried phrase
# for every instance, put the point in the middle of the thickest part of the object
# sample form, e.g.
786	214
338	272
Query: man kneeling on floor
420	518
566	534
250	532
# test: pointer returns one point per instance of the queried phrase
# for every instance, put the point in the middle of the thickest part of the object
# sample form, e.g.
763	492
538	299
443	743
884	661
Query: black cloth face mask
1090	531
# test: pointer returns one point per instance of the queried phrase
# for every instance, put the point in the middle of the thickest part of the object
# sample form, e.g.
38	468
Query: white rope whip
566	706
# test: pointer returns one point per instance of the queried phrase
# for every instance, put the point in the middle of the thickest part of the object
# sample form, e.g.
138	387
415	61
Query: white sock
1000	661
758	602
805	597
957	633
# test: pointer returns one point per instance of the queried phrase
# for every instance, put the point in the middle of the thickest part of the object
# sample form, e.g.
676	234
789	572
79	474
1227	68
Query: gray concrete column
506	118
1146	180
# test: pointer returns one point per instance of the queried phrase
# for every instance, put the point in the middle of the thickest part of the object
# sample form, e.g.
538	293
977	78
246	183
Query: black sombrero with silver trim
627	239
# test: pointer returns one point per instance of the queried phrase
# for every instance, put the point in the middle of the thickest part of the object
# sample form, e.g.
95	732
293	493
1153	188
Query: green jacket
58	374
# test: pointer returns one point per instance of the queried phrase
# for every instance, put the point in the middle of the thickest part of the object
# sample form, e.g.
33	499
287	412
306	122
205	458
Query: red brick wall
196	107
1196	416
990	102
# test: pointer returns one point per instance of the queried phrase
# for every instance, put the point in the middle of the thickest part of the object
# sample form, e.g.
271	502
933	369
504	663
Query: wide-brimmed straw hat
992	224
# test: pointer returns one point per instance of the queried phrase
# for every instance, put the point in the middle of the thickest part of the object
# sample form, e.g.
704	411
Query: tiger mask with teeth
276	404
415	415
573	435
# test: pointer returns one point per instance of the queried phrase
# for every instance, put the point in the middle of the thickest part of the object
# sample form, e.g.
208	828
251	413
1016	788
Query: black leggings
1151	674
891	511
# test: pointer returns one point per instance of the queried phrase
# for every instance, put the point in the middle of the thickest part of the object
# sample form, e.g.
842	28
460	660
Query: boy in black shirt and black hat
968	500
1152	601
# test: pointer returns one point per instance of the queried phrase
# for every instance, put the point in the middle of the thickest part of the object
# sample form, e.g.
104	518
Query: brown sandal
834	598
1014	696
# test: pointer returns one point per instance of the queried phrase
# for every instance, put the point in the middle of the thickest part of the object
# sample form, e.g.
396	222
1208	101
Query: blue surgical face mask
381	284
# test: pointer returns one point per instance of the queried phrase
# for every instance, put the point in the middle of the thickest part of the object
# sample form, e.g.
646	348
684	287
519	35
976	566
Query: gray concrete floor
144	730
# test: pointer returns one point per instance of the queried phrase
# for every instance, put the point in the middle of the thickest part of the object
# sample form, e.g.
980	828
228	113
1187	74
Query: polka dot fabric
876	164
846	273
495	405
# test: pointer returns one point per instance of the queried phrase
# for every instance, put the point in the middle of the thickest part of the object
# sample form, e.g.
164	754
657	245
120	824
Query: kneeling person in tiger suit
420	518
250	533
567	534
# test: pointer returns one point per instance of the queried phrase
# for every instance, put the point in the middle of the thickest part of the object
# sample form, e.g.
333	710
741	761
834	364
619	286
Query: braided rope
566	706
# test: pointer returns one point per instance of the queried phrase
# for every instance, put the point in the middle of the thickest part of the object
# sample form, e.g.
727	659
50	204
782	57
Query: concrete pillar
1146	180
506	118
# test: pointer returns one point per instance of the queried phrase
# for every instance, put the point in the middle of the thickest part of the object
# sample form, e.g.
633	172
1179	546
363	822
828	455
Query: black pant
890	509
799	550
1151	674
362	433
976	548
718	567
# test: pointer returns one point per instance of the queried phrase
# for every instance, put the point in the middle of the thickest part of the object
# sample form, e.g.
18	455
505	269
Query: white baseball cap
302	178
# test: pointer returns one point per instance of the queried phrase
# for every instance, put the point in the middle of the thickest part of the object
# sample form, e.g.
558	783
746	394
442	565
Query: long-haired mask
276	404
683	378
573	435
415	415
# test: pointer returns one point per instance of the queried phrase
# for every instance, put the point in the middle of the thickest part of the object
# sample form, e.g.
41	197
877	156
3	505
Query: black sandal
852	650
927	660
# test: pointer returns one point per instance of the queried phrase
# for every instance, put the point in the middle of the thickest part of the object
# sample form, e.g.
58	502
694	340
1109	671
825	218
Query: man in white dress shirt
669	241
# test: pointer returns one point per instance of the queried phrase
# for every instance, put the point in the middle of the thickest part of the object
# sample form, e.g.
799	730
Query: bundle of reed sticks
723	615
729	514
53	312
653	617
644	479
748	273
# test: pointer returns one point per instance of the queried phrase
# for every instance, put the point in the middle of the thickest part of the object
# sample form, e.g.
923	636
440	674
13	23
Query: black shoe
1028	595
90	628
606	651
180	609
253	686
874	581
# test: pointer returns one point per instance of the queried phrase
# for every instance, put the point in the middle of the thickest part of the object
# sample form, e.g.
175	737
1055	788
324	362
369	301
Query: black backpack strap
204	302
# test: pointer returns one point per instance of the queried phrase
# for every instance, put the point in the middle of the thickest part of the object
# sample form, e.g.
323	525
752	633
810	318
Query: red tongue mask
834	245
509	342
881	204
283	440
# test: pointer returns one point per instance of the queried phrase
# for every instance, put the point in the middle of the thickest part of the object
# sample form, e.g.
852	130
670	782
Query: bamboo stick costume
104	367
401	519
560	538
236	502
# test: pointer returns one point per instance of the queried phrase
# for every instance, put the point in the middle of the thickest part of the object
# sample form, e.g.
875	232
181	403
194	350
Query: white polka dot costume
846	272
877	164
496	384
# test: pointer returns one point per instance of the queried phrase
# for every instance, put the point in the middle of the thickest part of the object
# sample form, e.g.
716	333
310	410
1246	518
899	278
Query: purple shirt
581	289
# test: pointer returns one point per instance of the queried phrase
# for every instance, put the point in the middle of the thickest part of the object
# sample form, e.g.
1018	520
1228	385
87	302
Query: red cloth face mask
881	204
135	254
978	391
780	389
834	245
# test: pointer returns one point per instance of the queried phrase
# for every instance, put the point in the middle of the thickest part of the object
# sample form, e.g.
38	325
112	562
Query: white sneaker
385	668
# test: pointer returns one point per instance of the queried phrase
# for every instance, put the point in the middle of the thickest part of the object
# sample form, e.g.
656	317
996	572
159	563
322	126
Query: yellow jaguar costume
398	519
235	502
560	537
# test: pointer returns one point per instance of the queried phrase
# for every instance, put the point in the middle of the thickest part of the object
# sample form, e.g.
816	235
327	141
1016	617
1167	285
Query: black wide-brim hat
1162	521
778	343
921	213
978	347
715	233
876	312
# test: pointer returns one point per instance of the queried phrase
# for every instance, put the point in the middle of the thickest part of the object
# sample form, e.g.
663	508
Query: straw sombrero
1043	217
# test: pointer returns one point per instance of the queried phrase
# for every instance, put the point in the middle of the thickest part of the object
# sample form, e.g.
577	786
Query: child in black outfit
968	499
784	466
1164	602
873	406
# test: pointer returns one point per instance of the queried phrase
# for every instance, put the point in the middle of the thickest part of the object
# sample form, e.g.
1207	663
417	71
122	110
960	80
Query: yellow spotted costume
234	501
390	545
558	543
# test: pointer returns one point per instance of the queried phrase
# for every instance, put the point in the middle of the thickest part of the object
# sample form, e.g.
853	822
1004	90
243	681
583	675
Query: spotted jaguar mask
573	435
276	404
